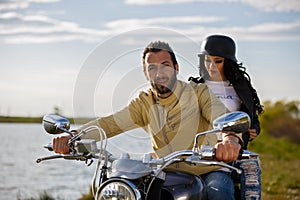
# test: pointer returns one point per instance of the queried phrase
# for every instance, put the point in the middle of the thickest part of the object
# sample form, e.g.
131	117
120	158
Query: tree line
281	119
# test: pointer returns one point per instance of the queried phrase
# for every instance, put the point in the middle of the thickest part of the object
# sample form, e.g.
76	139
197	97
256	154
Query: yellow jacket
172	122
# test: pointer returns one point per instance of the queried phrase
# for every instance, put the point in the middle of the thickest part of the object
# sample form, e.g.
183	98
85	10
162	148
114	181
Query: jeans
250	179
218	186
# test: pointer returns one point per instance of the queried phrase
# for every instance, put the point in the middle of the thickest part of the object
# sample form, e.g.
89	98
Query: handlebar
203	157
84	150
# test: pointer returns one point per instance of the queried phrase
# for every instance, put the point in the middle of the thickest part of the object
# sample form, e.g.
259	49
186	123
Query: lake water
22	178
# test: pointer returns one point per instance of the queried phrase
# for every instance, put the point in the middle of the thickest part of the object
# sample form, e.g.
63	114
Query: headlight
118	190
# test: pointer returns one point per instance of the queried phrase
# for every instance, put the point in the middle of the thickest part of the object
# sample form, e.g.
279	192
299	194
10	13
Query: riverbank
19	119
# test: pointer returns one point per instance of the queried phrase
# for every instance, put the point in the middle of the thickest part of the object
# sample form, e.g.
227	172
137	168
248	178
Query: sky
84	56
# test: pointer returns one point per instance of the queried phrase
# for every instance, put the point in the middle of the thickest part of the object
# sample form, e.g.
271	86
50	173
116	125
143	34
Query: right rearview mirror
237	122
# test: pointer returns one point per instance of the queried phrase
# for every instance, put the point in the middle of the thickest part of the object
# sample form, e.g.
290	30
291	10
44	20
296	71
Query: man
172	112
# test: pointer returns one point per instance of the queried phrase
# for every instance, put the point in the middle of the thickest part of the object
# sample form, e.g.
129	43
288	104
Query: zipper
163	129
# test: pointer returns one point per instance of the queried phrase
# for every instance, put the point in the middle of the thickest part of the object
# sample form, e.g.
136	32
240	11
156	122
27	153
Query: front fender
179	185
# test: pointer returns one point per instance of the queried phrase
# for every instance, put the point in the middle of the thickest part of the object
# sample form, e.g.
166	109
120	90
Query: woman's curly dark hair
234	72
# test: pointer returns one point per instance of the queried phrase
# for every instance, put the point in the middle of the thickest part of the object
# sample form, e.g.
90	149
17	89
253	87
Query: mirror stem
195	147
76	137
67	131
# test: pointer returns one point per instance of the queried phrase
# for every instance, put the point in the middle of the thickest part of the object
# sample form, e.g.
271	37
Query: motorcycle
145	178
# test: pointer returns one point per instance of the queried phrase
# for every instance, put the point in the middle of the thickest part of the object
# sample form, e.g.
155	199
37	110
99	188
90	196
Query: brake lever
48	146
48	158
80	157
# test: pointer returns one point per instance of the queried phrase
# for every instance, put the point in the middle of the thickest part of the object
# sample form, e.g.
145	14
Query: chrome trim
127	182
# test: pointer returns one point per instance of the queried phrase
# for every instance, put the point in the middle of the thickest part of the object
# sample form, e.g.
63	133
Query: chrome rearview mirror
236	122
233	122
56	124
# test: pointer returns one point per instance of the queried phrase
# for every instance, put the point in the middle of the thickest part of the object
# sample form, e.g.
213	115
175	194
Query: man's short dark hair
157	46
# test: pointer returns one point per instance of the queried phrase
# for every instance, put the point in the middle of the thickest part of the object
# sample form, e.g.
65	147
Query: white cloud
19	28
261	32
42	29
274	5
267	5
133	23
157	2
37	27
195	28
276	27
17	4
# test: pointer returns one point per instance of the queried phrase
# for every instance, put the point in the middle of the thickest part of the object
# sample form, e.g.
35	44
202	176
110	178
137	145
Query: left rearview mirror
55	124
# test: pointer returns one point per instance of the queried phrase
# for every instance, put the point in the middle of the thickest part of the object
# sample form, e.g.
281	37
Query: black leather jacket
242	89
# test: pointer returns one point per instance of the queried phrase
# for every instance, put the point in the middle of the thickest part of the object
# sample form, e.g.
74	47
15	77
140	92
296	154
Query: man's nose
159	72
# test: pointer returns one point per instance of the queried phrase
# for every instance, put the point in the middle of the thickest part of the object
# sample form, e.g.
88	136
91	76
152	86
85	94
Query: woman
228	80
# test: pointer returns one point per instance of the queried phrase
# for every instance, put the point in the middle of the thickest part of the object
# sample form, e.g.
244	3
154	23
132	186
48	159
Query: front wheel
118	189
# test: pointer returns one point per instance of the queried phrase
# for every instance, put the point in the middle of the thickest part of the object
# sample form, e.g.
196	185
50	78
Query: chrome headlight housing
118	189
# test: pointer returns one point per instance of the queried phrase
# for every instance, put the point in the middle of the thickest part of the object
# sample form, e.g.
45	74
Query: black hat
218	45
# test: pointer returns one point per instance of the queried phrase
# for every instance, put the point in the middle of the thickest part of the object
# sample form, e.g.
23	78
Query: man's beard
161	89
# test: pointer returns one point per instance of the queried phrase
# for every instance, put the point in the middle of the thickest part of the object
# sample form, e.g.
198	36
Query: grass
42	196
280	162
18	119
